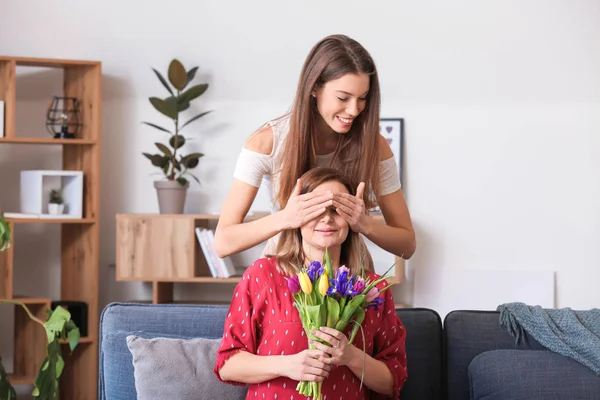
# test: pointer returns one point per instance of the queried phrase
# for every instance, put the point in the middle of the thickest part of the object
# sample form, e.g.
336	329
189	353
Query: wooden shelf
26	140
52	220
15	379
48	62
30	300
80	238
83	340
203	217
199	279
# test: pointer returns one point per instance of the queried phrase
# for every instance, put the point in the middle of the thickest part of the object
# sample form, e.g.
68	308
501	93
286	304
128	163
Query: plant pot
55	209
171	196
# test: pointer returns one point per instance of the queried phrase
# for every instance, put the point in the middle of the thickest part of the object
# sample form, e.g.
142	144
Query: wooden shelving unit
79	237
163	249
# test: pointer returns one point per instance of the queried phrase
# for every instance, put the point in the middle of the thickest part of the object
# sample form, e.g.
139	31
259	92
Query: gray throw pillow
179	369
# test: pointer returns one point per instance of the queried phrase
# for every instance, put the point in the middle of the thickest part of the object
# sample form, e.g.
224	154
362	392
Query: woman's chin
326	243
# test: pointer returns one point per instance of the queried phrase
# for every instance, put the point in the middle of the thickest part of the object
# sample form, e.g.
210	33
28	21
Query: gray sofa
469	356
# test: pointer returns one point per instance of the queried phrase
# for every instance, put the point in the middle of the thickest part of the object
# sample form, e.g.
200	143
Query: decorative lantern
63	119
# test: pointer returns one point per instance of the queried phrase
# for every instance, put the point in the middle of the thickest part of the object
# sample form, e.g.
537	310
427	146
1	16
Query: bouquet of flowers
325	298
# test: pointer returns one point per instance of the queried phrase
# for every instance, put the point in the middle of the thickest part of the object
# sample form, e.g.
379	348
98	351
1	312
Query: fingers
297	188
324	348
346	199
343	208
360	190
331	336
313	212
315	369
314	198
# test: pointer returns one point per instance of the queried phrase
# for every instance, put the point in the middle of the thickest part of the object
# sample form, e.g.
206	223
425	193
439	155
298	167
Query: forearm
234	238
250	368
398	241
377	376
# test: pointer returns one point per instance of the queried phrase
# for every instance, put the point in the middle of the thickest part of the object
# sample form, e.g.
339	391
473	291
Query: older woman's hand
339	350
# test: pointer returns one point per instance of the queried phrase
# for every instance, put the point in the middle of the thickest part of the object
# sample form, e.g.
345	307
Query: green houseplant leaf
194	118
160	128
194	92
163	81
164	107
6	390
179	139
177	75
57	326
5	235
190	75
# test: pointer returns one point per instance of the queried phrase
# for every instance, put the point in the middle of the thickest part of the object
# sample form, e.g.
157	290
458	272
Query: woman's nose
352	108
328	214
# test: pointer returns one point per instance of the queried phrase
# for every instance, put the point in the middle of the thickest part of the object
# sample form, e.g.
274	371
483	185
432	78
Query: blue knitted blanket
574	334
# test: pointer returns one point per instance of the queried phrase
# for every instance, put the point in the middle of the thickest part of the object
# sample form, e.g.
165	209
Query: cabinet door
154	247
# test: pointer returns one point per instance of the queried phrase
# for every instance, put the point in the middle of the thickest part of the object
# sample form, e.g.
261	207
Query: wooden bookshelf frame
79	237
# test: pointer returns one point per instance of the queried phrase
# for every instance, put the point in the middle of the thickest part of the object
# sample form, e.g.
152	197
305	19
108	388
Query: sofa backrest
468	334
119	320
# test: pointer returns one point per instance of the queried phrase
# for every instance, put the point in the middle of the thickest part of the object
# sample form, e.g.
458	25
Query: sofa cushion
468	334
530	375
166	368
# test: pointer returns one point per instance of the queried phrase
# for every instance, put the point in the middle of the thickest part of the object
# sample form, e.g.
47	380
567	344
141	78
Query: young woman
334	121
264	344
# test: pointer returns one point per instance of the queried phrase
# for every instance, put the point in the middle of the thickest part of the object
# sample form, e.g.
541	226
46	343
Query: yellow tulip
305	283
323	284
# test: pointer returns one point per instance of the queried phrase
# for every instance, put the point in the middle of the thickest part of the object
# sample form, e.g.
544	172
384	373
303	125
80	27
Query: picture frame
392	129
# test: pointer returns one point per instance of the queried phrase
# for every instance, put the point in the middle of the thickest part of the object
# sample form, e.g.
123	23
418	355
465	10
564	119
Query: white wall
501	102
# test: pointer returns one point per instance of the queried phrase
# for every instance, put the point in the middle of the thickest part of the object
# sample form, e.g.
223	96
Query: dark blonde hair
289	252
357	152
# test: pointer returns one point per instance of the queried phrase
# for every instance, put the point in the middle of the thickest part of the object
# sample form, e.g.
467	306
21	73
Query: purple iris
373	299
314	270
342	285
375	303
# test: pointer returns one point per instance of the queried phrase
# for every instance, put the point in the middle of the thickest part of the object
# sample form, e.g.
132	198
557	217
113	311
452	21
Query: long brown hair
289	251
357	152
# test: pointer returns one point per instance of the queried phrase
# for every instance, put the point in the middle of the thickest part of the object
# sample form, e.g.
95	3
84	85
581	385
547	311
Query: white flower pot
55	209
171	196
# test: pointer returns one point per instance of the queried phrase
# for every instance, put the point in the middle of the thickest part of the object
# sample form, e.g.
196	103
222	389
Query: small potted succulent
56	204
175	166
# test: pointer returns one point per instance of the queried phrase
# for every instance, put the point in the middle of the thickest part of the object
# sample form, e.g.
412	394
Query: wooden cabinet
79	237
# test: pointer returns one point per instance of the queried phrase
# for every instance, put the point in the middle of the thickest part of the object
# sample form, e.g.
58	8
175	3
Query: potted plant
173	164
56	204
58	326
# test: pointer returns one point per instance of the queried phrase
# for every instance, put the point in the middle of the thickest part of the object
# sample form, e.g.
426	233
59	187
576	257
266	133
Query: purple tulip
372	294
294	284
359	285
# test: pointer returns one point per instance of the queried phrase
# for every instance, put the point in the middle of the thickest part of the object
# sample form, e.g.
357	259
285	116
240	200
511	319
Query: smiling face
329	230
340	101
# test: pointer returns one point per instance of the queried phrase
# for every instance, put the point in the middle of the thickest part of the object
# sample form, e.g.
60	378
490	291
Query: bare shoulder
261	141
385	151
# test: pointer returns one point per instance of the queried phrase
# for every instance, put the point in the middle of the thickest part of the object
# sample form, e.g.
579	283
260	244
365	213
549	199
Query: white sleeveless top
263	170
